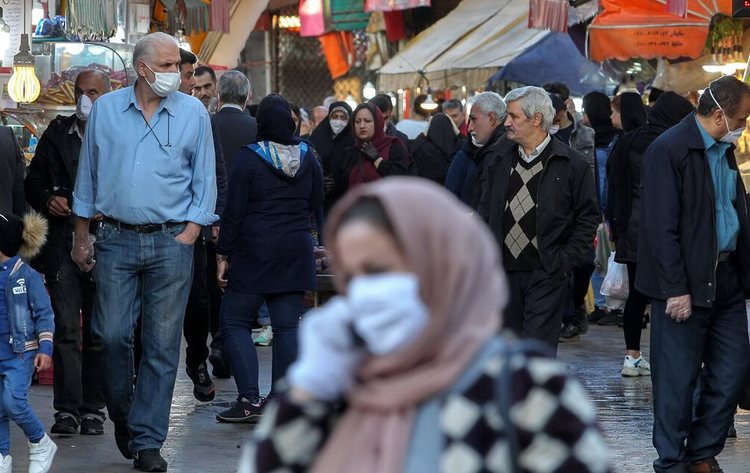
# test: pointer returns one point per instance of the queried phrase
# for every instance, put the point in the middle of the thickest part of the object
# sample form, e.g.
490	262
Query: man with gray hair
540	202
487	132
147	166
236	128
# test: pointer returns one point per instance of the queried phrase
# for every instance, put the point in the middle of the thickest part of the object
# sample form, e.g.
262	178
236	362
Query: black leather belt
724	257
147	228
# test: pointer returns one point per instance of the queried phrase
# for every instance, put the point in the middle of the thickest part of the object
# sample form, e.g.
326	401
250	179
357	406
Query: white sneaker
266	336
41	455
633	367
6	466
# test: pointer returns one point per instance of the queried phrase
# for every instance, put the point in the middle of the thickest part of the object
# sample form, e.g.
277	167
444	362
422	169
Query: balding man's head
92	83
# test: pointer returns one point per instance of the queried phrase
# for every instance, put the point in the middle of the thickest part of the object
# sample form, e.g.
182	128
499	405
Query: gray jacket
582	140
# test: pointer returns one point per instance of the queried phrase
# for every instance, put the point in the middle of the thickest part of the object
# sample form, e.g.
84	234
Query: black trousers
198	311
715	338
635	309
537	303
77	372
215	295
578	288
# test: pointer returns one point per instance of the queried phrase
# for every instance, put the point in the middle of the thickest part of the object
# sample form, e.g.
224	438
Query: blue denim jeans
264	317
148	276
16	375
238	311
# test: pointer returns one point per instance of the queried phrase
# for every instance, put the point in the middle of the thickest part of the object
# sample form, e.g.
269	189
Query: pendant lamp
24	86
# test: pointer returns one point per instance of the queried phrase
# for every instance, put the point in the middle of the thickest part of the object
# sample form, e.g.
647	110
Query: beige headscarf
455	257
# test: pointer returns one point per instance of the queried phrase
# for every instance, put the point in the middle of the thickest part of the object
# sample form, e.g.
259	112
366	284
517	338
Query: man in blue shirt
694	263
147	165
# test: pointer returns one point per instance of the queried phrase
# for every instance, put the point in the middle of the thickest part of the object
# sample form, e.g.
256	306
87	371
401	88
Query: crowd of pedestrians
463	242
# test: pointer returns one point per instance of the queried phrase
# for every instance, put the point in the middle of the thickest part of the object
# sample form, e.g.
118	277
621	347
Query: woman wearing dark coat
332	133
624	179
432	153
265	249
374	154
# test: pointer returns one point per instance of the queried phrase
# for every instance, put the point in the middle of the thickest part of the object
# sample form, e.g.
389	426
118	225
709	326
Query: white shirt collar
537	151
76	129
231	105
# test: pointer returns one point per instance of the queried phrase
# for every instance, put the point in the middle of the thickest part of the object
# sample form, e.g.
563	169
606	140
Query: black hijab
632	111
669	109
598	109
322	136
275	121
433	153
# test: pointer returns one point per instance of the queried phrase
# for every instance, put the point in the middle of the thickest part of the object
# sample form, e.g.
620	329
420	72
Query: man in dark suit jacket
235	128
235	125
12	168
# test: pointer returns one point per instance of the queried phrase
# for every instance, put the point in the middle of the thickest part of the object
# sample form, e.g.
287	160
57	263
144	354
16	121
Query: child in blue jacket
26	328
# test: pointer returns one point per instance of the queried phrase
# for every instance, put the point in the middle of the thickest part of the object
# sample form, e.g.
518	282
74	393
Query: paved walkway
198	444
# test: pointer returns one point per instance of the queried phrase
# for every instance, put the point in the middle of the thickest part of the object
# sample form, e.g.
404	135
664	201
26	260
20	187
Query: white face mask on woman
165	83
389	313
338	126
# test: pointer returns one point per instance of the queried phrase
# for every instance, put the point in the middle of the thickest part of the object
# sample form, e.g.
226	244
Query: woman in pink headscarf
410	347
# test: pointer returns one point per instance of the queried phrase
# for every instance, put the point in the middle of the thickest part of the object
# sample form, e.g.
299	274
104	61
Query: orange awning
642	28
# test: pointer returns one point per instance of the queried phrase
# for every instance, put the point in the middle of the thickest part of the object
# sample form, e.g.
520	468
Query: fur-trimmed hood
34	234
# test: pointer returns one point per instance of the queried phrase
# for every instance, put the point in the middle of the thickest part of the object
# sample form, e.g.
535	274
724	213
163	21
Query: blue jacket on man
677	248
28	308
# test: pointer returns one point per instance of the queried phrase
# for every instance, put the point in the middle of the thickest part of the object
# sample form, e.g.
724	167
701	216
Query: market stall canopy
556	59
465	47
642	28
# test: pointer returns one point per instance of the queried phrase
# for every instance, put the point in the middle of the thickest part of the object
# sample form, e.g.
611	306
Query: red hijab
364	170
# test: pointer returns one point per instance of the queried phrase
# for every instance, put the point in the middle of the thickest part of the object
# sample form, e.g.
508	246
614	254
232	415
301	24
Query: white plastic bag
615	283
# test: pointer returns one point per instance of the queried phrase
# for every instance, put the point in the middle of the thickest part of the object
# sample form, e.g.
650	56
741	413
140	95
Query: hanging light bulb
369	91
182	40
24	86
429	104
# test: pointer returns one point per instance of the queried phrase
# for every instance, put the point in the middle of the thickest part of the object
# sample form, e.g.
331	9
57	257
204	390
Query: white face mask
554	129
732	135
83	107
165	83
338	126
389	312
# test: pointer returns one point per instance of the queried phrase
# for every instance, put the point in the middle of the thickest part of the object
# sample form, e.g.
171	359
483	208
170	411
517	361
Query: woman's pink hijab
456	259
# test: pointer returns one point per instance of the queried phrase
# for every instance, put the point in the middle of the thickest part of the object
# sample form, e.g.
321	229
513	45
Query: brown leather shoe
709	465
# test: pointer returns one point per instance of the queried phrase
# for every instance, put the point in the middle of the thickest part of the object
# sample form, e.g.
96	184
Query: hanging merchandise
191	16
315	17
394	5
725	43
394	25
91	20
549	15
220	16
349	15
338	48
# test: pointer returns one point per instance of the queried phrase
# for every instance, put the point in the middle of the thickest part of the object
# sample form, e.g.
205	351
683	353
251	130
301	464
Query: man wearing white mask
147	165
78	397
694	265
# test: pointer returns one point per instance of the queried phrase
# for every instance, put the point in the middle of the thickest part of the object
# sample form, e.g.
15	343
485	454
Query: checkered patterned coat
551	413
